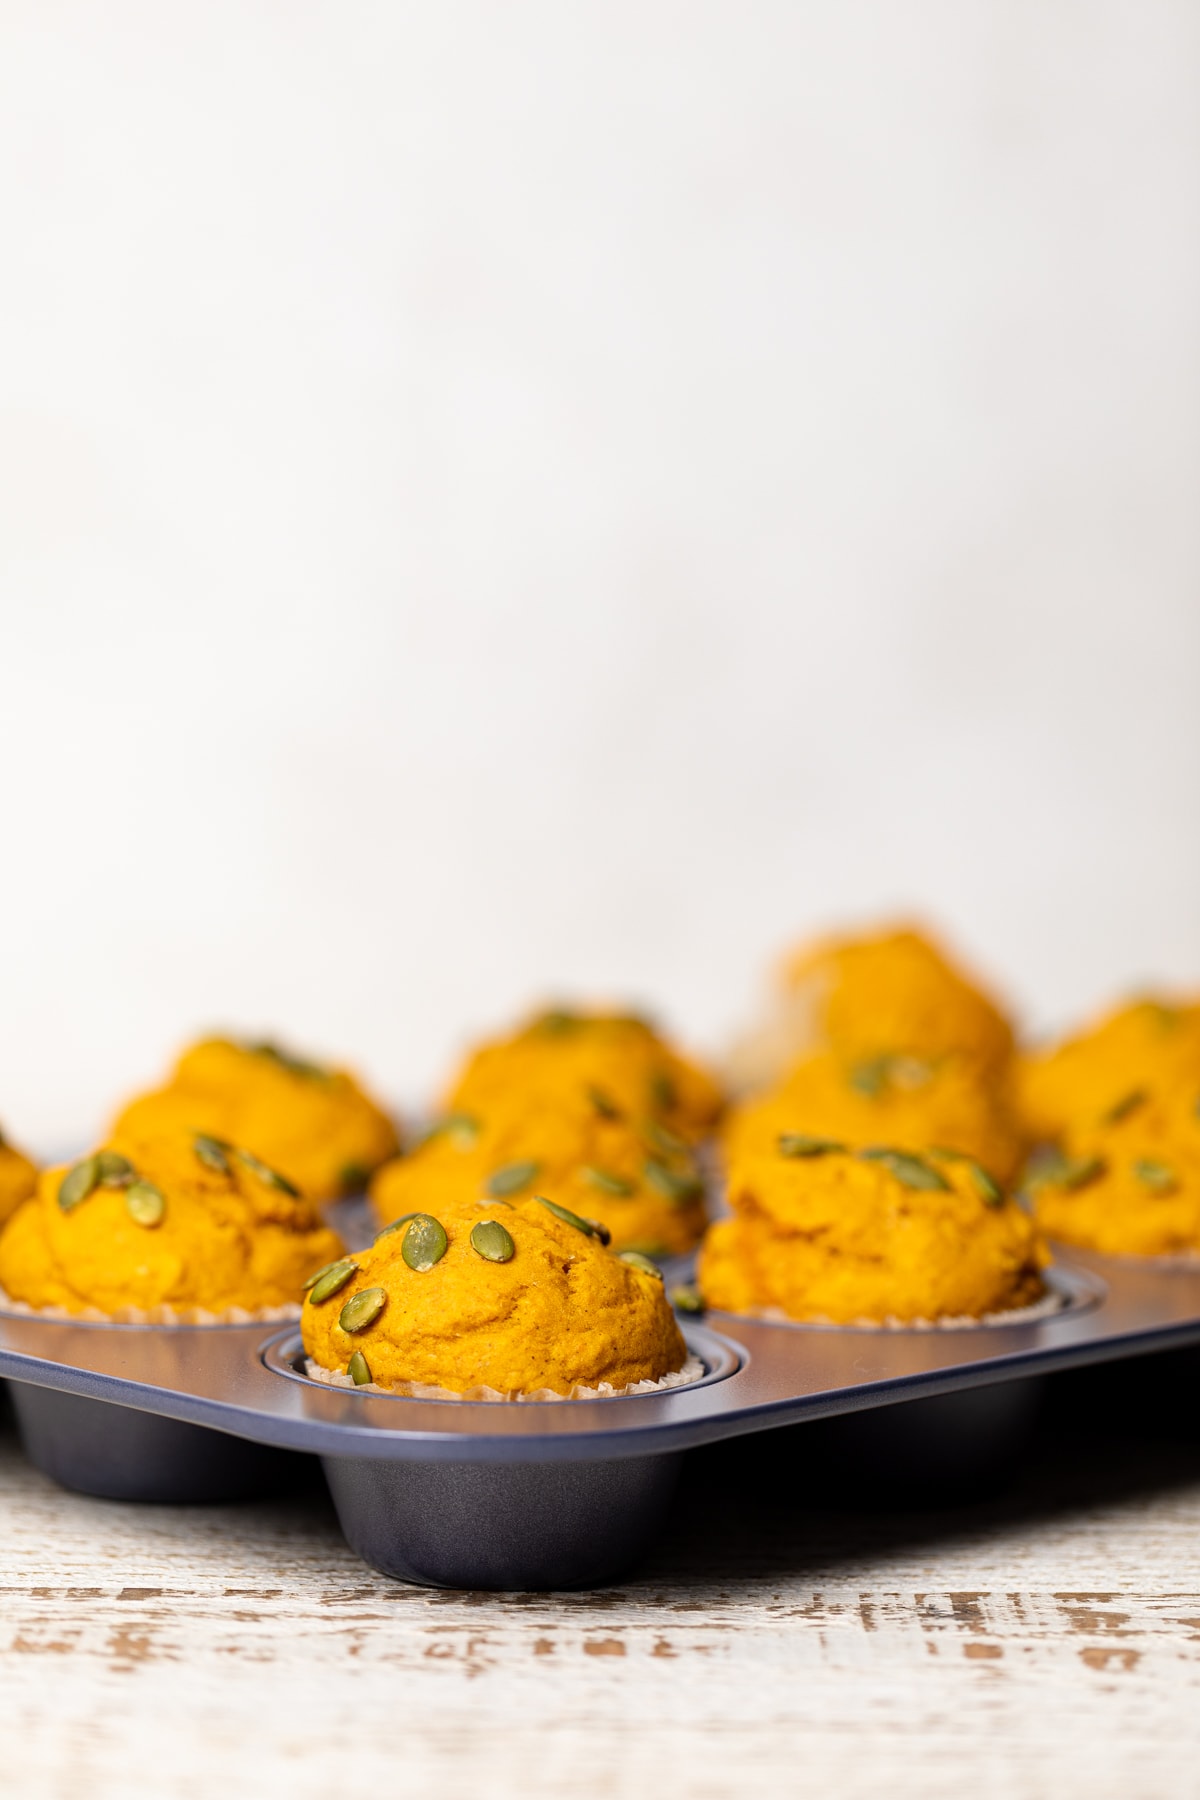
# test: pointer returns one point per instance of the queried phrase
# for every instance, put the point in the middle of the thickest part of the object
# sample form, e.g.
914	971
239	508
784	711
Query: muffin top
1148	1043
18	1178
1127	1183
515	1297
315	1125
899	1100
895	993
617	1059
820	1232
643	1183
180	1220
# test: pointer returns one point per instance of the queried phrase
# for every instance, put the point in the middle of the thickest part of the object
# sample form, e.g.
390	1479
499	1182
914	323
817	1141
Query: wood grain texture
780	1642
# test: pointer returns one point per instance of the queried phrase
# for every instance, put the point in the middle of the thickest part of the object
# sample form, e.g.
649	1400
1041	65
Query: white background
515	496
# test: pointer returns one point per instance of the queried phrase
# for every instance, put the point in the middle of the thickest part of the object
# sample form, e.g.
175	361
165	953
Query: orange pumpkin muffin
18	1178
895	993
1127	1183
181	1221
642	1183
316	1125
824	1234
514	1298
893	1100
1147	1043
559	1057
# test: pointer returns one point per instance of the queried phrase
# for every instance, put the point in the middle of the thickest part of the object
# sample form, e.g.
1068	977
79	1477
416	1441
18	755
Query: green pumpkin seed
1050	1168
211	1152
424	1244
323	1270
113	1169
511	1178
556	1021
870	1078
1079	1171
986	1186
1159	1177
636	1260
1045	1165
404	1219
295	1065
78	1183
462	1129
603	1105
1126	1105
687	1299
669	1142
359	1369
330	1280
912	1171
362	1309
145	1204
490	1240
647	1247
799	1143
270	1177
589	1227
664	1095
608	1183
675	1187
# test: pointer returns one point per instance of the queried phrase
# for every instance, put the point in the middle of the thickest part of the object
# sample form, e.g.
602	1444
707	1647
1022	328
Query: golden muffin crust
643	1184
893	993
18	1178
892	1100
821	1234
1127	1183
511	1297
559	1055
315	1125
1149	1042
897	992
176	1221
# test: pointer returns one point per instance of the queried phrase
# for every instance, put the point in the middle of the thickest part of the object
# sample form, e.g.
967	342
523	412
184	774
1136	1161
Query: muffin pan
545	1494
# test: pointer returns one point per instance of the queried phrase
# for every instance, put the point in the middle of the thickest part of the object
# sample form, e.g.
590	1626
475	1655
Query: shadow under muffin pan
543	1494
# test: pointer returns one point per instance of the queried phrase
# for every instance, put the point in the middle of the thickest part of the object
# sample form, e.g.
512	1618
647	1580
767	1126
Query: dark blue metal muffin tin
537	1494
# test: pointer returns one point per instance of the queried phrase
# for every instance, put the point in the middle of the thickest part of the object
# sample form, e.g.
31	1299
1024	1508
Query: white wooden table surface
1043	1642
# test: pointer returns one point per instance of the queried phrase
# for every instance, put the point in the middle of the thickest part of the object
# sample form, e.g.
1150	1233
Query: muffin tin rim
217	1378
276	1358
1091	1291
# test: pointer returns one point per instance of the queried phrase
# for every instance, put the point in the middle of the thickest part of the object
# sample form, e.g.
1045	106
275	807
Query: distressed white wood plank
1043	1644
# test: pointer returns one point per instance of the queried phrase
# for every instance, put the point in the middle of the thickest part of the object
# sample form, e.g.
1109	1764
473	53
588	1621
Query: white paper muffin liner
1047	1307
1184	1261
152	1315
692	1370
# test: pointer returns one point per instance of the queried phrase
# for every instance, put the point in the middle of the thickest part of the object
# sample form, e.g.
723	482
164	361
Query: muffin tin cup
937	1451
115	1452
550	1493
509	1525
